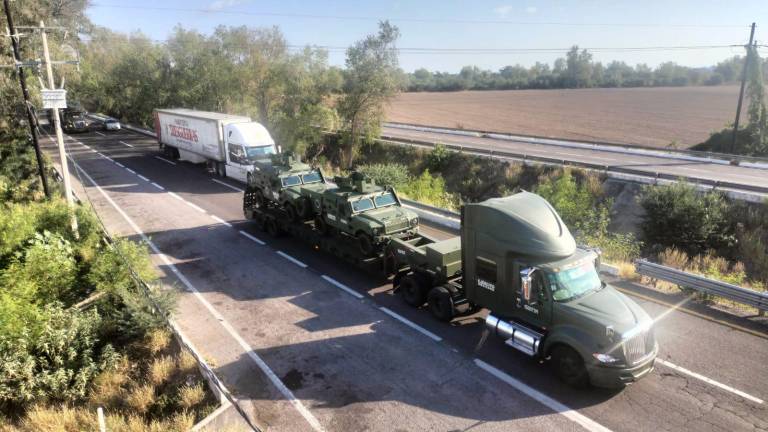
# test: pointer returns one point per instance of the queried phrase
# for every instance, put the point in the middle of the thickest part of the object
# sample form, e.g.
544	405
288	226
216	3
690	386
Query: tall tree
758	117
371	80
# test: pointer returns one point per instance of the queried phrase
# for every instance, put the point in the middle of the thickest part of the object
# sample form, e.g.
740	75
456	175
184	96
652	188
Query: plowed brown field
645	116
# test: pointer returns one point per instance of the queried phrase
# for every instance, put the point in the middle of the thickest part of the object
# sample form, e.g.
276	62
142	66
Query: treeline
576	70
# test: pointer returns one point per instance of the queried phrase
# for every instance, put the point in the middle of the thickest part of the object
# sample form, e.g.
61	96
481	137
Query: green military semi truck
516	258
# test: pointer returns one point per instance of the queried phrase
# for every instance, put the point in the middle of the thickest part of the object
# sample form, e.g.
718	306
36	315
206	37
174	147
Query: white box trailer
229	144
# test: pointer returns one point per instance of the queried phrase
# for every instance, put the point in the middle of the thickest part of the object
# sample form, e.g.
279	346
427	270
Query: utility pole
57	126
27	104
741	92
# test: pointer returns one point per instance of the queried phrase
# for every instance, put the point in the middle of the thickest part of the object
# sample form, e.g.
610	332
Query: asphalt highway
651	164
308	343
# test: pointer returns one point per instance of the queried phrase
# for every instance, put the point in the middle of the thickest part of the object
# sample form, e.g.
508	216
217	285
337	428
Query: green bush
430	190
677	216
391	174
55	365
579	207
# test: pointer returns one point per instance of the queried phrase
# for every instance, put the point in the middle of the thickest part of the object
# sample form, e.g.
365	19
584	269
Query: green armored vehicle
359	208
517	258
280	182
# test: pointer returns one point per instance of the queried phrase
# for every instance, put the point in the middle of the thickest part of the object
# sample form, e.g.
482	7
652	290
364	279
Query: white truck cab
230	144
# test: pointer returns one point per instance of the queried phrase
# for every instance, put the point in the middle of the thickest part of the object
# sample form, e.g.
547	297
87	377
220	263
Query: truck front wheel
569	366
413	289
441	303
291	210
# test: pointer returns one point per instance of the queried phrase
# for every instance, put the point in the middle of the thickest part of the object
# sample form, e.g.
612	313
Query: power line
475	50
409	19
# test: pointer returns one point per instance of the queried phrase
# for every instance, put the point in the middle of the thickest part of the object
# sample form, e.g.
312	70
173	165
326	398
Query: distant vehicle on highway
73	120
111	124
229	144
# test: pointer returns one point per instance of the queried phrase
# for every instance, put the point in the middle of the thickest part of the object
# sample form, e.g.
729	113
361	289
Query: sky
479	28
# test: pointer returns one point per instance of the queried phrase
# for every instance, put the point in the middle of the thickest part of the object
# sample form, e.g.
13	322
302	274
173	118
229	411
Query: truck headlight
605	358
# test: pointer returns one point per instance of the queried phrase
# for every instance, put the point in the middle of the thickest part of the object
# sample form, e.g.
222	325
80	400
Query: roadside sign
54	99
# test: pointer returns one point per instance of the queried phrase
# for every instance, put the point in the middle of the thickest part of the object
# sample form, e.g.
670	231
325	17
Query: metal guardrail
759	162
655	176
703	284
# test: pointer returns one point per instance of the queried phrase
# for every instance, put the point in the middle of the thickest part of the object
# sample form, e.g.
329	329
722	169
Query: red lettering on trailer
183	132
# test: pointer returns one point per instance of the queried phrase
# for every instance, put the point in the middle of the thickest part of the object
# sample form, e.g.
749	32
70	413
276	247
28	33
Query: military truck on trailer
285	181
358	208
517	258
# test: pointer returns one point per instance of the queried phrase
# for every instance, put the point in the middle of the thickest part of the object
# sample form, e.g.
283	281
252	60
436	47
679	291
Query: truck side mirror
526	280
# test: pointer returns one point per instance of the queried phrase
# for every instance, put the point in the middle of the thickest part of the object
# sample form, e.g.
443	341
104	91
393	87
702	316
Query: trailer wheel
569	366
271	227
258	199
413	289
441	303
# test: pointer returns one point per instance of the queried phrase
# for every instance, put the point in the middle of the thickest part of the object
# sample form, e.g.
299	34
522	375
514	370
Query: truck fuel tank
517	336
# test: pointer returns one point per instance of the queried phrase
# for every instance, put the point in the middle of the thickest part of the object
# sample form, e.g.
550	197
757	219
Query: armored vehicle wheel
441	304
247	213
365	243
304	208
413	289
270	226
569	366
258	199
322	226
292	214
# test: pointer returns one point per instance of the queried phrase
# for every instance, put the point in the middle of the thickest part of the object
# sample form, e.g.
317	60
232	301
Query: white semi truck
228	144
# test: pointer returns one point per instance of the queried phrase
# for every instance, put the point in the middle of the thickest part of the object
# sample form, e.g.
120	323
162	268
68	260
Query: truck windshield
385	200
313	177
362	205
574	282
291	181
259	153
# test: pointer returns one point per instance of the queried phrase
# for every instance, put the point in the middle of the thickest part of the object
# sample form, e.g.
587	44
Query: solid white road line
221	221
157	186
252	238
411	324
125	143
285	391
119	164
130	171
709	381
194	206
543	399
142	177
173	194
228	185
292	259
100	133
343	287
165	160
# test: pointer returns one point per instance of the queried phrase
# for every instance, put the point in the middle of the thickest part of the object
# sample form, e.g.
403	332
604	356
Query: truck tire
365	244
322	226
441	303
413	289
569	366
270	226
258	199
292	214
221	169
304	208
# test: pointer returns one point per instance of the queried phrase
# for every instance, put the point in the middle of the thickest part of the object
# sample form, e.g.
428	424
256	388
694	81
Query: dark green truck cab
516	258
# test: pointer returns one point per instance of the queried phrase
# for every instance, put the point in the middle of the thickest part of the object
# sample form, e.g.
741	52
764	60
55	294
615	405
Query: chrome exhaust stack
515	335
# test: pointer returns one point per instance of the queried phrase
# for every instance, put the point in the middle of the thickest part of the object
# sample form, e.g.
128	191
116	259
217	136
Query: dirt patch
645	116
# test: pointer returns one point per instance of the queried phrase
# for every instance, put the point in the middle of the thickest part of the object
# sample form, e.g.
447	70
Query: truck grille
638	346
396	226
